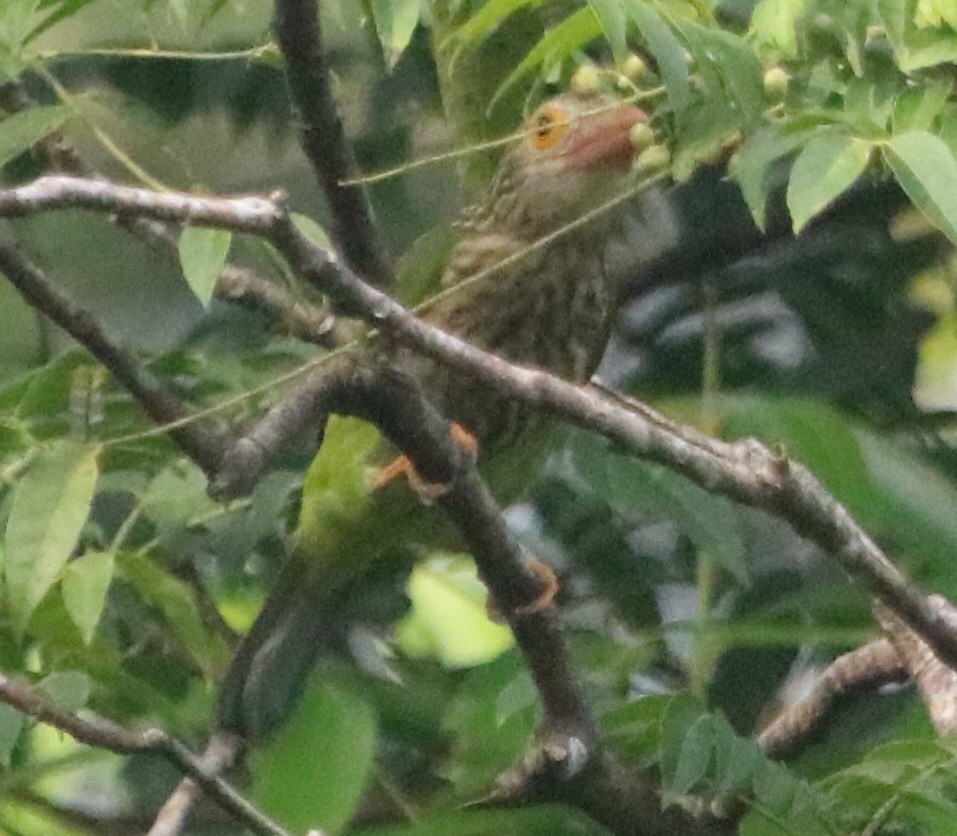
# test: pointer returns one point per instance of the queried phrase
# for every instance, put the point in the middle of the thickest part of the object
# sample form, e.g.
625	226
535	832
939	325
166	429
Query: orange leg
401	467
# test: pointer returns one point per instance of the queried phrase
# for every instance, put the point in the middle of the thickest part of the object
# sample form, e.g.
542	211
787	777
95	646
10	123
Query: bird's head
572	155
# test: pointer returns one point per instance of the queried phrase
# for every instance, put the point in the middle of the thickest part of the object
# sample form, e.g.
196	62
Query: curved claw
545	598
402	467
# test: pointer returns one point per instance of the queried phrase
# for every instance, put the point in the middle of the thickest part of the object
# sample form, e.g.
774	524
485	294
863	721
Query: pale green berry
776	82
653	159
642	135
586	79
633	67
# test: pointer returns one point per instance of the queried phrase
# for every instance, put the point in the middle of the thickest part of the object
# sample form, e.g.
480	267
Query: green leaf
704	132
49	508
774	787
448	618
175	600
532	820
731	68
313	773
894	15
709	521
419	269
311	230
484	739
869	105
177	497
741	760
774	24
61	11
916	508
824	169
914	47
936	13
11	724
571	35
68	690
681	714
948	129
635	727
395	22
667	50
611	16
520	695
752	164
694	757
202	255
17	18
917	109
22	130
491	15
84	586
927	172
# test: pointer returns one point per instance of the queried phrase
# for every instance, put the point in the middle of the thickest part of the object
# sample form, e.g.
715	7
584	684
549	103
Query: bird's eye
548	127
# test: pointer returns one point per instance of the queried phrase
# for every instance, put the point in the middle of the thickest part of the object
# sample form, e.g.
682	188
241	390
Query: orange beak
603	138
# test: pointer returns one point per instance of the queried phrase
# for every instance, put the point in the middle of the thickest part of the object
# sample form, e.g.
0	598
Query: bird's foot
549	587
428	492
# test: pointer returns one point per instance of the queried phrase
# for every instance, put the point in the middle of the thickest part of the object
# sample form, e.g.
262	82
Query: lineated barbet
548	306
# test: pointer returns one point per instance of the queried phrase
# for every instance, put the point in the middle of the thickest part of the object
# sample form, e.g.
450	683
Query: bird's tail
349	534
276	656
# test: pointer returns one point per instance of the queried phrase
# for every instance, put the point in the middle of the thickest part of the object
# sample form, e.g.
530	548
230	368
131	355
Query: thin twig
219	755
869	667
204	442
107	735
235	283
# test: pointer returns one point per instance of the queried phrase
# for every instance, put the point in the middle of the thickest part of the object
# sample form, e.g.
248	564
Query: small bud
653	159
642	135
776	82
586	79
633	67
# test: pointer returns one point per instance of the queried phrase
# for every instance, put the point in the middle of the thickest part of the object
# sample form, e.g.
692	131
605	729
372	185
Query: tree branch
204	442
900	656
746	471
237	284
619	797
568	763
106	735
936	681
876	663
219	755
323	140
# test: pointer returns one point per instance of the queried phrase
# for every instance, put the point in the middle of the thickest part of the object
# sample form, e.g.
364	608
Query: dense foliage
794	281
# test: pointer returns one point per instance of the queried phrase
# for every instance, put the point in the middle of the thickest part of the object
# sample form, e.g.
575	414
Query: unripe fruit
653	159
776	83
586	79
642	135
633	67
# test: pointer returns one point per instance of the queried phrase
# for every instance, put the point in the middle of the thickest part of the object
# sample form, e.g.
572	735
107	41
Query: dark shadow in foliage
825	314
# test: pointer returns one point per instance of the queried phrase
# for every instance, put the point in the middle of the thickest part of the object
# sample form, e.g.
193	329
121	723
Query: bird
527	281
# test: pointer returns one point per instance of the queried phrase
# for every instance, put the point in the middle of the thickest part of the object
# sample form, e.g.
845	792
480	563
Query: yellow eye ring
547	127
